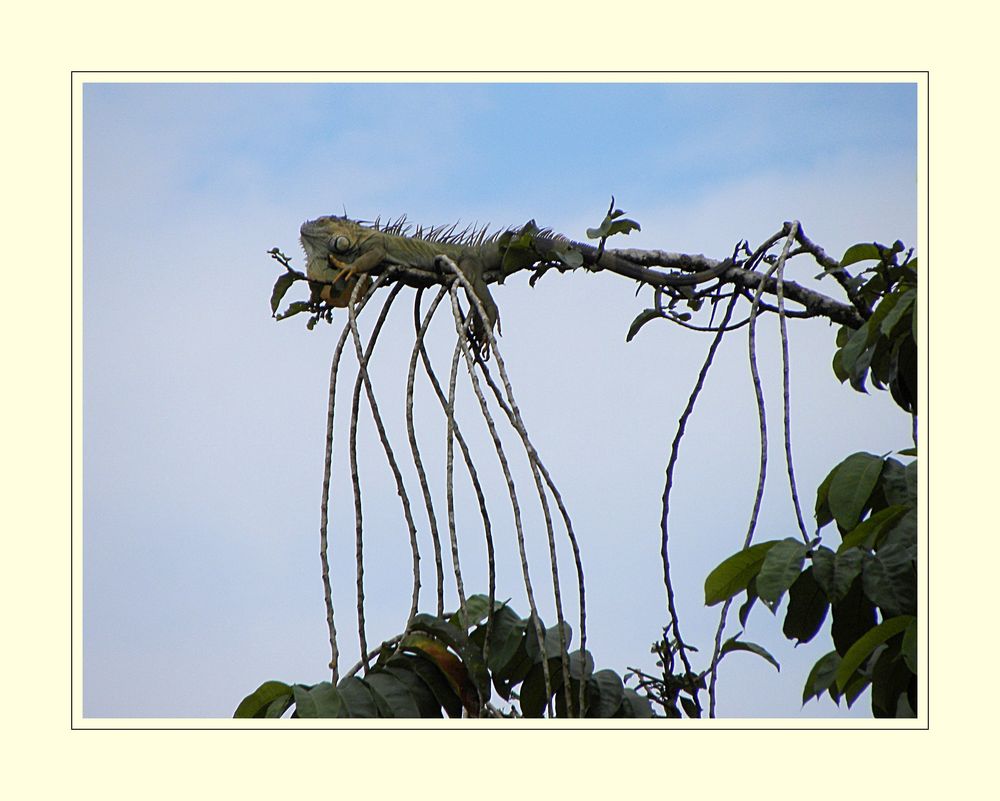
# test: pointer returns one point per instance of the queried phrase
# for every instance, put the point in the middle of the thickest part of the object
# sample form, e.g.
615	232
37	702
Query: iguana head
325	237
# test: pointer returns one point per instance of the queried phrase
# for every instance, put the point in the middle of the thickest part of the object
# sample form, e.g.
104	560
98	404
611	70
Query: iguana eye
341	244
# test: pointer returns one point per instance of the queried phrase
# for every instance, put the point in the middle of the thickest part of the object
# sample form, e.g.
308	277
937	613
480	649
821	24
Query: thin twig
839	273
363	663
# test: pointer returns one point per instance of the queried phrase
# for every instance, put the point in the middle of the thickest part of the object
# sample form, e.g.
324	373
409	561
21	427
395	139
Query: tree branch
640	265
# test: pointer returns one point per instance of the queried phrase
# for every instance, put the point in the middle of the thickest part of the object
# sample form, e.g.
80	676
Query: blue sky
204	418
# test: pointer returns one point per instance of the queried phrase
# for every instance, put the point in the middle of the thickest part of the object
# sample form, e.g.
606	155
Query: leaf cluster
441	666
323	298
868	584
884	347
675	689
530	246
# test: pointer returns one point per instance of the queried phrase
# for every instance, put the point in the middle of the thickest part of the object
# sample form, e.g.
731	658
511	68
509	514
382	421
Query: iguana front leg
472	268
364	263
339	298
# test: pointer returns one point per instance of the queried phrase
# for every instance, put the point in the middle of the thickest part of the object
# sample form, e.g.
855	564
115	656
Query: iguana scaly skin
338	248
341	251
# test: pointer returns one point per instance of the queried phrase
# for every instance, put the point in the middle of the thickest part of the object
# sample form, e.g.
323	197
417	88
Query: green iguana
341	251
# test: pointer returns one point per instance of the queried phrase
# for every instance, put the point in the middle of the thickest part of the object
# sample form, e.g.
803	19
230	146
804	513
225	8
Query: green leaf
285	280
852	617
319	701
634	706
732	644
551	641
782	565
472	657
904	533
690	707
893	483
735	573
438	683
895	314
278	707
891	680
448	633
863	648
863	251
890	580
505	637
477	607
396	695
750	601
255	704
835	573
855	355
839	370
908	649
822	509
427	704
852	486
581	667
807	608
446	662
605	692
357	698
641	319
602	230
868	532
623	226
822	676
854	690
911	482
532	695
293	309
515	670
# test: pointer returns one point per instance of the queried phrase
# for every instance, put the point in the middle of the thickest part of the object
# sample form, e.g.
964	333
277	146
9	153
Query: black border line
924	447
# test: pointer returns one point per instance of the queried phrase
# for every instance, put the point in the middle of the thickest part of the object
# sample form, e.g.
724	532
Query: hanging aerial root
674	623
460	329
418	346
325	503
353	453
447	405
789	232
387	448
516	420
539	467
